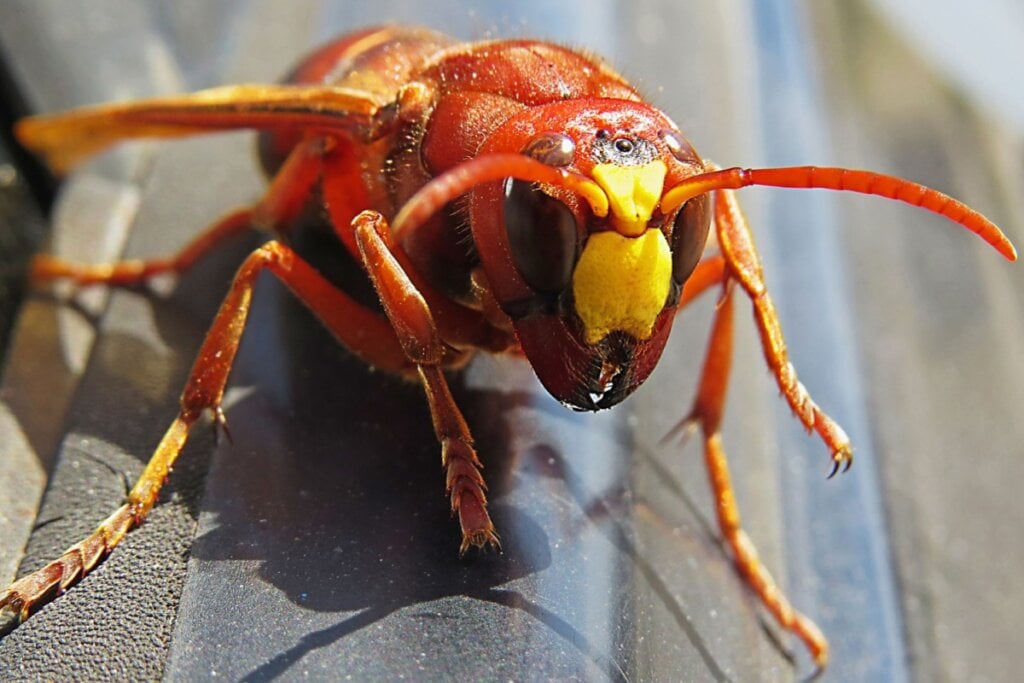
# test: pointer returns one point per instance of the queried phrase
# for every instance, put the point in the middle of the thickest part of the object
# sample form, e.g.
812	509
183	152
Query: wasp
507	196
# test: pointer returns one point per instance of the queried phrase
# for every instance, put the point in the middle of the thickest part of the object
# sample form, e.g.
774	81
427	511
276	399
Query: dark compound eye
689	235
553	149
680	148
542	236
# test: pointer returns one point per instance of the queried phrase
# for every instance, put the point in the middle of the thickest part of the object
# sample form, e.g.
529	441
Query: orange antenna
487	168
865	182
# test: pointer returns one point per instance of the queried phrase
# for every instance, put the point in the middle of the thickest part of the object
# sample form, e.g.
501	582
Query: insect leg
707	274
283	201
363	331
737	246
707	413
414	325
46	267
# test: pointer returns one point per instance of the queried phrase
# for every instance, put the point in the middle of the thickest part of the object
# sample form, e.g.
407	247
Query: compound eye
689	236
542	236
553	149
680	148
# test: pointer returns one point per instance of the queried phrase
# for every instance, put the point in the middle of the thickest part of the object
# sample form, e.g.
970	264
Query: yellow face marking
633	192
622	283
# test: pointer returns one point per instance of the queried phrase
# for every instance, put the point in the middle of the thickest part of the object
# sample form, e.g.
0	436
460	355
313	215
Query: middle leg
363	331
706	413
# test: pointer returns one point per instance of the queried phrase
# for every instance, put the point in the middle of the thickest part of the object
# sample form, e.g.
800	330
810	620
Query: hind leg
286	197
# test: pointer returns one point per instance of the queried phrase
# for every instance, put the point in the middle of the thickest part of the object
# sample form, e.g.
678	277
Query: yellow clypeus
622	283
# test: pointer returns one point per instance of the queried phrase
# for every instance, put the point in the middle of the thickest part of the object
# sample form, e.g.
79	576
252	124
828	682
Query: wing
65	140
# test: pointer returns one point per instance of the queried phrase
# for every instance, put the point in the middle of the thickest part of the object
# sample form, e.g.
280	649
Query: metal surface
323	545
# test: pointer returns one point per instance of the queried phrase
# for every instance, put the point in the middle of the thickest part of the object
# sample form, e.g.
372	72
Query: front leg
417	333
738	248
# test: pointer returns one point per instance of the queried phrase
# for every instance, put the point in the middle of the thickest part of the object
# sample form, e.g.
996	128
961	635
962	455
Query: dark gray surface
323	545
120	626
21	231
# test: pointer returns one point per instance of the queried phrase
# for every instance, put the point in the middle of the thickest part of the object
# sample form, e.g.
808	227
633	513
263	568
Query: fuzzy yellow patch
622	283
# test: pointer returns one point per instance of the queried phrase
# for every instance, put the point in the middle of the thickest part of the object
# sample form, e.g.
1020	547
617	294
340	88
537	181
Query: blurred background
323	546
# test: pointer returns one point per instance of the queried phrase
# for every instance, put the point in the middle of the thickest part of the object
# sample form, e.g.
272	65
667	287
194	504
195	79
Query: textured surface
323	545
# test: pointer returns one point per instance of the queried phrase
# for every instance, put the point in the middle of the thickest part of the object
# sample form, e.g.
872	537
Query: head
590	215
591	289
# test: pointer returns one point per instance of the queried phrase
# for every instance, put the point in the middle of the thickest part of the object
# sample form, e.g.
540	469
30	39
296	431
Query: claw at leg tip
835	468
482	539
841	459
682	431
220	425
